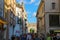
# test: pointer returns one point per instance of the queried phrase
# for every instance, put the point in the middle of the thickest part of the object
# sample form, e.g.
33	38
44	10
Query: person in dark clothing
54	37
13	38
37	38
58	37
23	37
33	36
42	36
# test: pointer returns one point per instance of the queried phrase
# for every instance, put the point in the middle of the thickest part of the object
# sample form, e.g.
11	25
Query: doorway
1	31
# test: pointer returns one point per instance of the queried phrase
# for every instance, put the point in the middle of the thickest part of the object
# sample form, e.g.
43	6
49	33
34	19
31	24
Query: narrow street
29	19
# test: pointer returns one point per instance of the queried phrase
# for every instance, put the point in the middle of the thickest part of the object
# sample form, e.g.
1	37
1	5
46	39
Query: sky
31	7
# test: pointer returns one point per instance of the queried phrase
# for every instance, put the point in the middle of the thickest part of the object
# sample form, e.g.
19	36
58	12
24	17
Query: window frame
51	21
53	5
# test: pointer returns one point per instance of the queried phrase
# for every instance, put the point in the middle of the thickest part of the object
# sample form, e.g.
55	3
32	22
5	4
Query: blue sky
31	7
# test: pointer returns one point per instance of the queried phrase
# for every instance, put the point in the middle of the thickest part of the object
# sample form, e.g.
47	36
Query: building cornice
40	5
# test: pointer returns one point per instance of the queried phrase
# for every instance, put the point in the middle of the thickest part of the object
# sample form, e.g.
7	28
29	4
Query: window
17	20
53	5
18	14
6	15
11	14
0	13
14	17
25	24
54	20
25	19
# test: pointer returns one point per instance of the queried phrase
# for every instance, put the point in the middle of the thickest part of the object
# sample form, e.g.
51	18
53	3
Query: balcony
1	14
25	19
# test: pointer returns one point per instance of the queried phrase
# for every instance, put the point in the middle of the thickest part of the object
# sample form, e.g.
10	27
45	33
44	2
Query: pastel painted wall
10	31
17	30
1	7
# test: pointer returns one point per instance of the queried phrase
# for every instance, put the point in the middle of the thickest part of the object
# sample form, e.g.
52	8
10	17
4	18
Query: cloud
32	1
20	1
26	2
37	3
28	12
34	14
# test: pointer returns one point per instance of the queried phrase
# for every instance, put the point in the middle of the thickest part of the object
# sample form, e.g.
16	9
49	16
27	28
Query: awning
2	20
56	30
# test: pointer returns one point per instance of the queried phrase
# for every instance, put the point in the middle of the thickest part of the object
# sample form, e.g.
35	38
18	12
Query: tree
31	30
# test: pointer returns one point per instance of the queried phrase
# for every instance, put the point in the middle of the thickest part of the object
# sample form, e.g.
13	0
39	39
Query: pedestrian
54	37
58	36
42	37
29	37
37	38
23	37
13	37
48	37
33	36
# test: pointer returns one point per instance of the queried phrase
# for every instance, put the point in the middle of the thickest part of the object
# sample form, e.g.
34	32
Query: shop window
54	20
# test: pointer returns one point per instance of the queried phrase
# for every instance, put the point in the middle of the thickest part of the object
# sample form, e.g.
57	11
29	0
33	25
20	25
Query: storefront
2	23
55	32
1	31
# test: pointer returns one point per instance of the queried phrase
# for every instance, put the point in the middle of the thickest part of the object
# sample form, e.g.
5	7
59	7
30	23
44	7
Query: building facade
24	23
18	26
9	15
32	26
50	10
21	18
2	20
40	19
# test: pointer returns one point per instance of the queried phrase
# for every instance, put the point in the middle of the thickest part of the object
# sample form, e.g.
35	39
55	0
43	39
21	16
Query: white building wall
47	22
18	10
49	10
18	27
48	5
